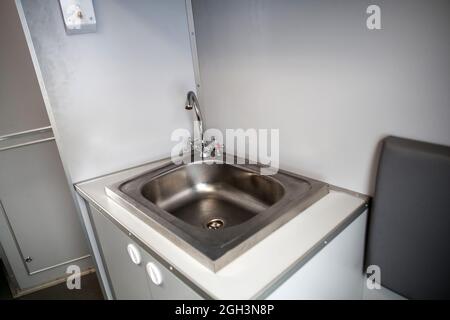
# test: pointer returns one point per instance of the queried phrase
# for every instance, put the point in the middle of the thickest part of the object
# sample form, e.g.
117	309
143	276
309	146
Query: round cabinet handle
154	273
134	254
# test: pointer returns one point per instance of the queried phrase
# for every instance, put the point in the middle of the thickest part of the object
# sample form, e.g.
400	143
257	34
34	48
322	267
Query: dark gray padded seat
409	224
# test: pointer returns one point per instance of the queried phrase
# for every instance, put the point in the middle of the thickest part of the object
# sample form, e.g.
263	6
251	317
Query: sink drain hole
215	224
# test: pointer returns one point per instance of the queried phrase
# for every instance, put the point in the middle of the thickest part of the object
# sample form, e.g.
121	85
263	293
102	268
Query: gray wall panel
21	104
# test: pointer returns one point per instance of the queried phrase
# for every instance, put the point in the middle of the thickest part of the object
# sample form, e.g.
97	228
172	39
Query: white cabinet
133	272
39	227
125	276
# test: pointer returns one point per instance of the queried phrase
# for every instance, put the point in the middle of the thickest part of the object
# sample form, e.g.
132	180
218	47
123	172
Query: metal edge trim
24	292
8	271
31	273
193	44
362	196
100	249
163	161
27	144
25	133
144	246
301	261
3	210
59	264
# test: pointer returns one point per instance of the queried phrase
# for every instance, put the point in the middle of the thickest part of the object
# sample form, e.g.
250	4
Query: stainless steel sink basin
199	194
216	211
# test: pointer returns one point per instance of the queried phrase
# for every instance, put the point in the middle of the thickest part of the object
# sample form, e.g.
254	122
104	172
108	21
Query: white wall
117	94
312	69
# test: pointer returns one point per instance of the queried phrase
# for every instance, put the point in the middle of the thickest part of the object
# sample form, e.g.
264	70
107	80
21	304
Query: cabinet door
170	288
127	278
39	208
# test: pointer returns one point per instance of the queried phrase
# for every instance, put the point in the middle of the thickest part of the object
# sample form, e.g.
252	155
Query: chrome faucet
206	148
192	103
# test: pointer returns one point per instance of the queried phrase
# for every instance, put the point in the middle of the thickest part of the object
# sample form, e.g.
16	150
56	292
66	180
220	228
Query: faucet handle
219	149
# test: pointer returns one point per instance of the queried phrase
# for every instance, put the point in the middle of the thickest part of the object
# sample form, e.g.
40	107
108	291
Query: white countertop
252	273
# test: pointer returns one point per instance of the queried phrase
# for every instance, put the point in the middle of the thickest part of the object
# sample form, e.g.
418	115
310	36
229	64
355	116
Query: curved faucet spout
192	103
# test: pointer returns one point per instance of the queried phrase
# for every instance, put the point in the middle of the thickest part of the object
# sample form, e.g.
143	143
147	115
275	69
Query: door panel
171	288
131	281
126	278
39	207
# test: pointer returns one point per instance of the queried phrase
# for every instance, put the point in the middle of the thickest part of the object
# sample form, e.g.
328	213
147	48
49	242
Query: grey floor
90	290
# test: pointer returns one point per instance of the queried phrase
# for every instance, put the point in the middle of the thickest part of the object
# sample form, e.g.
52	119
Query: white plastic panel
336	272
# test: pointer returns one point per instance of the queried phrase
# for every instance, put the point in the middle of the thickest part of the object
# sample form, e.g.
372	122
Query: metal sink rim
205	250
